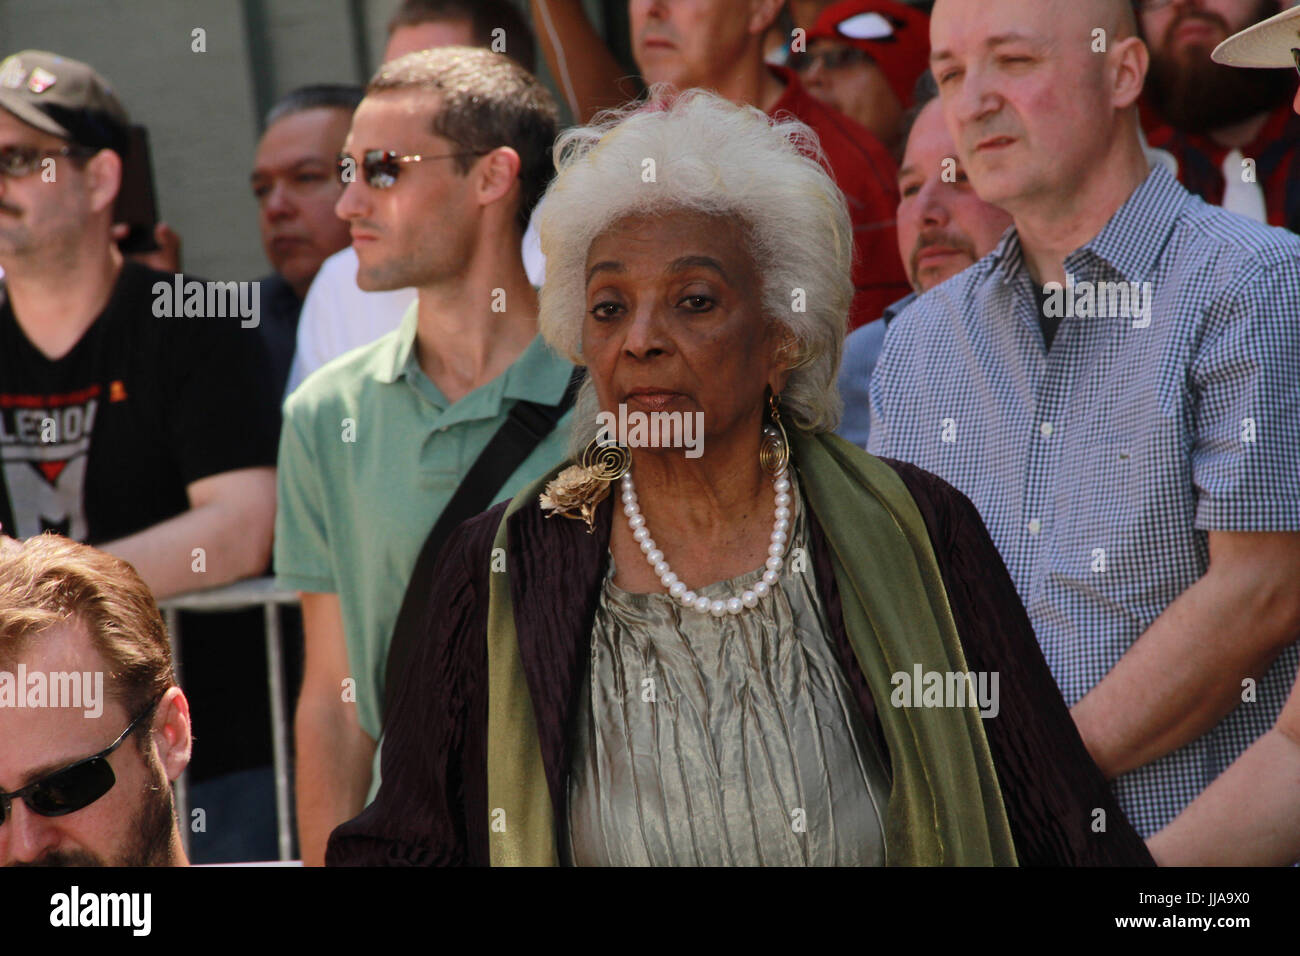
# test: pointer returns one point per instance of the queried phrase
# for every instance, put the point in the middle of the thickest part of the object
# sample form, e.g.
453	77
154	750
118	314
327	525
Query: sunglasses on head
380	167
75	786
23	160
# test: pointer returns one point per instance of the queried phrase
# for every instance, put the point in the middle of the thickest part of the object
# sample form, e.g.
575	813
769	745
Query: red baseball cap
894	34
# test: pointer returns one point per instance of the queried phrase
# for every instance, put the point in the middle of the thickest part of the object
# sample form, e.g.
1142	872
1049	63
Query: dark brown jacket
432	810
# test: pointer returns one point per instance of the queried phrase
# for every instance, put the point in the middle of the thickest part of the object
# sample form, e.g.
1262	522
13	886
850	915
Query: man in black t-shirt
131	418
147	436
128	440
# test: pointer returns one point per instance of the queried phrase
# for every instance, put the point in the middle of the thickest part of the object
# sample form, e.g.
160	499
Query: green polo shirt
370	454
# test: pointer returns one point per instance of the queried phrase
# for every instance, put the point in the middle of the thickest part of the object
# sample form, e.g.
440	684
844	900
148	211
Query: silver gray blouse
704	741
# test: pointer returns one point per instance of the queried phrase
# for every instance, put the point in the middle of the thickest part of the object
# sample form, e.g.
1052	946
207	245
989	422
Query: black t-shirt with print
103	442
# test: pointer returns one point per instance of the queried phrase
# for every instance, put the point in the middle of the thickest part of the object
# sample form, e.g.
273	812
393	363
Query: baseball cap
895	35
65	98
1266	44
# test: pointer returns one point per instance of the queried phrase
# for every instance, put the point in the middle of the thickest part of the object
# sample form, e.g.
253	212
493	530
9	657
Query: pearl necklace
678	590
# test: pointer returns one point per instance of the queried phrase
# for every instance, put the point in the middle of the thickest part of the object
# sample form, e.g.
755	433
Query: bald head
1117	16
1039	95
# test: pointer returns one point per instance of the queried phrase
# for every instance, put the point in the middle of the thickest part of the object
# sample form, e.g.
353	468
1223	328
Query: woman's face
674	323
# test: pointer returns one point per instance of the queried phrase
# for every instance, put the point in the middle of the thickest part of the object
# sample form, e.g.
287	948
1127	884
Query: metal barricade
240	596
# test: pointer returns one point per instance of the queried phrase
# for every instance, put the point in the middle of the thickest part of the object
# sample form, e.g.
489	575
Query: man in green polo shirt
447	155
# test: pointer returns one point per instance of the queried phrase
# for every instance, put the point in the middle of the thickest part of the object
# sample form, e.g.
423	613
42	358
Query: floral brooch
575	493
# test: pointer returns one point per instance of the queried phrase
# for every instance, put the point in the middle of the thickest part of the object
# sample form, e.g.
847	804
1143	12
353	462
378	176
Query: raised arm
588	76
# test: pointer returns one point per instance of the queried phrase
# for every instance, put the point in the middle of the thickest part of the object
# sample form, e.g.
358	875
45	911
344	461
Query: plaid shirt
1101	465
1275	150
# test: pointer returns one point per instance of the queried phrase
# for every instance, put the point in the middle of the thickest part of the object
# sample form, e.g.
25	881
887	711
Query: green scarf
945	807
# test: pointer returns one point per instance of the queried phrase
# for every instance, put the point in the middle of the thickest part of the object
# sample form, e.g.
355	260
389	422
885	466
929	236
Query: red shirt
868	177
1276	151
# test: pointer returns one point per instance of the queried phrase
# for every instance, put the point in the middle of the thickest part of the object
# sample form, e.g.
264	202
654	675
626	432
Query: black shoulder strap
524	429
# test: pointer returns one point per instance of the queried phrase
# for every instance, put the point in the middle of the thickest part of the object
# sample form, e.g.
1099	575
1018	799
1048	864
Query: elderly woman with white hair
722	636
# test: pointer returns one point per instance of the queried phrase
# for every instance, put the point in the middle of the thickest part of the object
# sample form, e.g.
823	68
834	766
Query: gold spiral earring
774	450
605	459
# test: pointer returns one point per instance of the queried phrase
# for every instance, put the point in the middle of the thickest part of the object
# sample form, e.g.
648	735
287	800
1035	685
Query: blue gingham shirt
1101	465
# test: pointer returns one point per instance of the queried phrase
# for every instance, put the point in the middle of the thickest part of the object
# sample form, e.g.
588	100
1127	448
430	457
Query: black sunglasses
23	160
380	167
75	786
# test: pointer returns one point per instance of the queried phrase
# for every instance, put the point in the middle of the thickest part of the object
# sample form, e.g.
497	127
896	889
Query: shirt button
1047	429
1034	526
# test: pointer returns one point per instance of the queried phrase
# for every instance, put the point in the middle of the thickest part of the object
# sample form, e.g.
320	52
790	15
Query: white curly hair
708	155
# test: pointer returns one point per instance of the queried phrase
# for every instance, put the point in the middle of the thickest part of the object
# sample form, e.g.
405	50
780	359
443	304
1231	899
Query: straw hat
1266	44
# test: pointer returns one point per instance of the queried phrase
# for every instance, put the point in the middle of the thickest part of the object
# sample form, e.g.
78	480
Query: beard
149	837
1196	95
151	830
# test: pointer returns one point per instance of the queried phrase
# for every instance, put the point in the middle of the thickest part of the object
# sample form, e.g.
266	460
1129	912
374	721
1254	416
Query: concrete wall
204	110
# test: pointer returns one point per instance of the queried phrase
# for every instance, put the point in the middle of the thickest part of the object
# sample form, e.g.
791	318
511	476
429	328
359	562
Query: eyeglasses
23	160
76	786
835	59
380	167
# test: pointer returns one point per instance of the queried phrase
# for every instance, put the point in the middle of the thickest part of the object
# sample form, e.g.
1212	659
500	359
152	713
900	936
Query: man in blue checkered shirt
1117	389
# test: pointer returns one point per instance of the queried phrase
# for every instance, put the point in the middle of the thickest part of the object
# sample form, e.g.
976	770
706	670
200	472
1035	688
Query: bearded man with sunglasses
447	155
86	787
